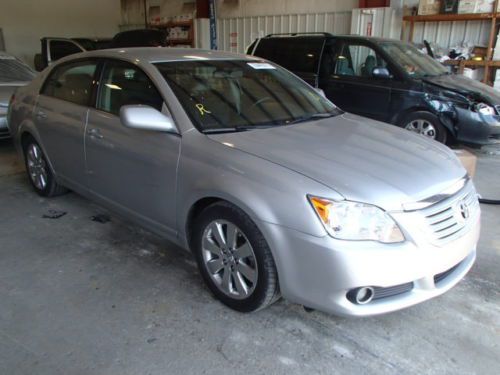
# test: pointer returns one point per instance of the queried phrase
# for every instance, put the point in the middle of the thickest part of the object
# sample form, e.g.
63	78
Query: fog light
361	296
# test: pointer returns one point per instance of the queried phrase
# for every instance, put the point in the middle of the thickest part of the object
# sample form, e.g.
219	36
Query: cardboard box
475	6
468	159
428	7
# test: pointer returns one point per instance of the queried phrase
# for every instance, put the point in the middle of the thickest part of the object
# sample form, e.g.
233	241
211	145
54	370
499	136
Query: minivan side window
358	61
125	84
62	48
71	82
297	54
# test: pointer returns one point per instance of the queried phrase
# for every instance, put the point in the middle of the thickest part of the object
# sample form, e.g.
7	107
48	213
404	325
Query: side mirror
381	73
146	118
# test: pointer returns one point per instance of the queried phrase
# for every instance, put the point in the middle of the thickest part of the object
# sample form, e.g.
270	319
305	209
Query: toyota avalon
275	190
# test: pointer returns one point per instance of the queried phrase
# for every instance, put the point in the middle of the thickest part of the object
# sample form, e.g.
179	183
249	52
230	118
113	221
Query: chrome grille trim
443	219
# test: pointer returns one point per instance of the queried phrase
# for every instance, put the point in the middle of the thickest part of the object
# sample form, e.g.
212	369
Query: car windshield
413	61
231	95
12	70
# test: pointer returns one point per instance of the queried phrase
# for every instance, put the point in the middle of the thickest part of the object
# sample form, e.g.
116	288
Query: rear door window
125	84
71	82
62	48
299	55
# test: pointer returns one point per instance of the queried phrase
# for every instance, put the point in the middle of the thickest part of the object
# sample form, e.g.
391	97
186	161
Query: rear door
349	82
300	54
130	169
61	116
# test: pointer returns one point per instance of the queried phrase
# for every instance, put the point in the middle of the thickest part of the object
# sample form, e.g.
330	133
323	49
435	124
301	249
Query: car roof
331	36
160	54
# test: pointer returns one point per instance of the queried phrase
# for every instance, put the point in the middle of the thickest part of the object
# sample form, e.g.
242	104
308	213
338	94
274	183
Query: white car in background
13	73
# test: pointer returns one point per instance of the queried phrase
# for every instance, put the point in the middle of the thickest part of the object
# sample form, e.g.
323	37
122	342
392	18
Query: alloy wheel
37	167
422	127
229	259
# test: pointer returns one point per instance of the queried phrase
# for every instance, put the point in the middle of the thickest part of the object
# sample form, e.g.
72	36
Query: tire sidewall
259	246
50	177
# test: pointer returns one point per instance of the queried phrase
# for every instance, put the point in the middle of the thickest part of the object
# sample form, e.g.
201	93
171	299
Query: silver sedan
275	190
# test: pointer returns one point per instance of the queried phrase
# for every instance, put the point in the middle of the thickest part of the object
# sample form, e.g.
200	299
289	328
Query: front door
61	116
132	170
350	83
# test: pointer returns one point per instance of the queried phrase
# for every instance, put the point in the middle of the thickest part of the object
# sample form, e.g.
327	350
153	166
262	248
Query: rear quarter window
299	55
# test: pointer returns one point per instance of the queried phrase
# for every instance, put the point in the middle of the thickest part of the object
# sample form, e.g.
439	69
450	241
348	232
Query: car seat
368	66
343	68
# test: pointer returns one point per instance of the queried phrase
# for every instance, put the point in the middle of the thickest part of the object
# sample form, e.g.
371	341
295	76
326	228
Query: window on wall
358	61
125	84
71	82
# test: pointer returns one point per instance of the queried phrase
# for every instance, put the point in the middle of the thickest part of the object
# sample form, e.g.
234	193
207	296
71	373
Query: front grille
443	275
379	293
447	220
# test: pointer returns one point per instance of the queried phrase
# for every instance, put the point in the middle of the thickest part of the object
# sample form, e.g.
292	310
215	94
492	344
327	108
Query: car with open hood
390	81
275	190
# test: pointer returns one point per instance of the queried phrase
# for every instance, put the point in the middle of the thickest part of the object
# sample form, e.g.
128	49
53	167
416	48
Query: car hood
362	159
467	87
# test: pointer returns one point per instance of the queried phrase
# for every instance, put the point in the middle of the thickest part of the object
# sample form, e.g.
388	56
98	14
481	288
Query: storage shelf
483	63
492	18
174	24
450	17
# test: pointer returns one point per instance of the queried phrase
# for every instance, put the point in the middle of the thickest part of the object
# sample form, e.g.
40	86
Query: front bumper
478	129
317	272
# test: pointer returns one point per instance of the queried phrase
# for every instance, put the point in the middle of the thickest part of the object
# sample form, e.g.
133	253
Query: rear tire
38	170
425	124
234	258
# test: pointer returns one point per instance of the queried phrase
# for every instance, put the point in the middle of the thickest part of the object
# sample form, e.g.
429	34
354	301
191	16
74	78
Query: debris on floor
101	218
54	214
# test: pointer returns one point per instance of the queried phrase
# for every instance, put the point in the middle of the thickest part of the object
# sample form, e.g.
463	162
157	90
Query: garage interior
85	291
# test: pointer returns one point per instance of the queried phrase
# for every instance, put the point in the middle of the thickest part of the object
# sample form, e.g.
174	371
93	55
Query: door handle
41	115
95	133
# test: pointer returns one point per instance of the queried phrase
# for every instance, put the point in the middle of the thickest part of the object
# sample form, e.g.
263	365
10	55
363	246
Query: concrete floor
82	297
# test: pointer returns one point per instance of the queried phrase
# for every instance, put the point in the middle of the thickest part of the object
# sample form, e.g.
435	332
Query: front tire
234	258
39	172
426	124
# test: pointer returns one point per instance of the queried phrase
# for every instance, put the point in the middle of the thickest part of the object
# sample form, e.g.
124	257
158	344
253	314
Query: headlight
484	109
356	221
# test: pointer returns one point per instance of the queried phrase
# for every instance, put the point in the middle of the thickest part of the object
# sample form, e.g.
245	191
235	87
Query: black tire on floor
441	132
266	289
51	187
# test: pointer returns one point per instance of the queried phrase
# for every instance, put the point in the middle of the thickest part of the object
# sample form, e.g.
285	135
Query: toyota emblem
463	210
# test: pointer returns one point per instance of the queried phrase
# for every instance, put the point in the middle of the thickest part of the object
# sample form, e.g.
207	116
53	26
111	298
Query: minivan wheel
426	124
234	258
39	172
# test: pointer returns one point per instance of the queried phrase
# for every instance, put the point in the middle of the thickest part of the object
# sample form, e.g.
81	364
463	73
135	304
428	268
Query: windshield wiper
239	128
313	116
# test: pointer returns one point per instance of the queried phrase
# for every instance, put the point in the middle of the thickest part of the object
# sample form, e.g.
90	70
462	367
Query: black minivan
390	81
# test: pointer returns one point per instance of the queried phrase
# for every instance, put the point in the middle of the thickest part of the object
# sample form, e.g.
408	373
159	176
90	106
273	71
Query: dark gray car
273	188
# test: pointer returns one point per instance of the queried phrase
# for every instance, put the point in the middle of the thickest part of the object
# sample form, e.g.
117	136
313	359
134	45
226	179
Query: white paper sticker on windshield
261	66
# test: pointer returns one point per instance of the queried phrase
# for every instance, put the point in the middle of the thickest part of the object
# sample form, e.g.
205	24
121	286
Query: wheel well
396	120
24	138
195	211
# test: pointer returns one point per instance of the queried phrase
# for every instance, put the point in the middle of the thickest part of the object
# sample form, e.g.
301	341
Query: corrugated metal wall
450	34
235	34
